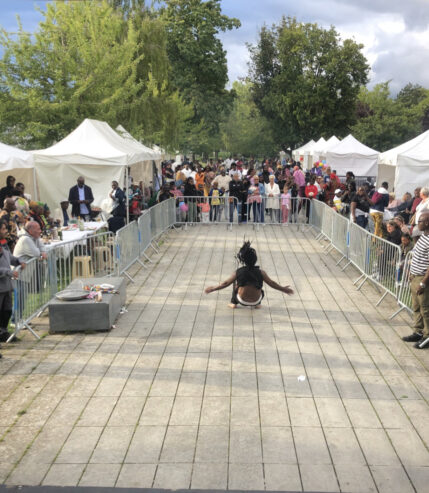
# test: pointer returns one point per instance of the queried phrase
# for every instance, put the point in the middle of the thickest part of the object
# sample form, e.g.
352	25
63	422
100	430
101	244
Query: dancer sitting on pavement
247	281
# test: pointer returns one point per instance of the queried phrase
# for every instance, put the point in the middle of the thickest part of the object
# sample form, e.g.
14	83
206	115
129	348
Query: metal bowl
71	295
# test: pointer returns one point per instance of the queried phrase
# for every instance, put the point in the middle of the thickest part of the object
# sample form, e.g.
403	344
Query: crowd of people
267	191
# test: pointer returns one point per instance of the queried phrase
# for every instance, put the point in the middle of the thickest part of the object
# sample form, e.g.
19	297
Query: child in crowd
286	196
338	203
215	195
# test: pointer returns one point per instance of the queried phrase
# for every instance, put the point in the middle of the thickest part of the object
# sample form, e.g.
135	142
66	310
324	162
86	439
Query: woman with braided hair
247	281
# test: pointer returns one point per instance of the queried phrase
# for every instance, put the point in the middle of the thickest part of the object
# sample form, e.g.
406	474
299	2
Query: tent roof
306	147
350	145
14	158
150	153
390	157
331	143
93	143
419	152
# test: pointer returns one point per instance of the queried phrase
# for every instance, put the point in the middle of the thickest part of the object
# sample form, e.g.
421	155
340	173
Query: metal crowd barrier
41	279
127	248
207	210
404	292
377	259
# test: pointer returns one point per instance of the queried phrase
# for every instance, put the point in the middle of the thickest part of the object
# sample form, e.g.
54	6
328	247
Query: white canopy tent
406	166
352	155
142	171
20	164
303	153
388	164
315	152
329	144
93	150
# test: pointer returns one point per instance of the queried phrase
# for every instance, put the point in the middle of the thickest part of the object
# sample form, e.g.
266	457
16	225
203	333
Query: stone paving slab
187	393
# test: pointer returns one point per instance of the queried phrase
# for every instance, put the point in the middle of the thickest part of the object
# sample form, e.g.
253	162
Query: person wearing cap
62	214
338	204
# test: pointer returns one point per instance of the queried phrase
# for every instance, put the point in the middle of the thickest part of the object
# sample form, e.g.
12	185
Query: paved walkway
187	393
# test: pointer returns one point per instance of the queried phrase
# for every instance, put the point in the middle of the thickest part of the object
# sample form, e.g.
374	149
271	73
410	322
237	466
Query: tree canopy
384	122
86	61
306	80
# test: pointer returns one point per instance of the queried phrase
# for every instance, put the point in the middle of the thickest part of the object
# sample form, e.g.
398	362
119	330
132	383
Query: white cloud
395	33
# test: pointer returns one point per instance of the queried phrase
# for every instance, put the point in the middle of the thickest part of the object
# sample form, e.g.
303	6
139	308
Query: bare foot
231	305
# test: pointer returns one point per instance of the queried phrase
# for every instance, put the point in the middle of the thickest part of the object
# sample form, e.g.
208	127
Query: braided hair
247	255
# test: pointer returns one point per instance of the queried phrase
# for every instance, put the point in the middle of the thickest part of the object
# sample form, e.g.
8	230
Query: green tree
86	60
384	122
199	66
246	131
306	80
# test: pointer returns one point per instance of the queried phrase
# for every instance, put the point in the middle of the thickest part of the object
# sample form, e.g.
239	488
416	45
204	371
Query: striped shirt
420	260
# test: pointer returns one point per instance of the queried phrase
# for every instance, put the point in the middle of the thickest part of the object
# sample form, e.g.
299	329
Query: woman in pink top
299	178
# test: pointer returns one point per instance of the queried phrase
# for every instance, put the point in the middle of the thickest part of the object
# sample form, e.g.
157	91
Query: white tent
302	154
317	150
387	161
93	150
20	164
142	171
352	155
406	166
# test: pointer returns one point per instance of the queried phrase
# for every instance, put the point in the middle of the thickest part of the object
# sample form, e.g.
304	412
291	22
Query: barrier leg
362	283
397	312
345	266
382	298
341	259
358	279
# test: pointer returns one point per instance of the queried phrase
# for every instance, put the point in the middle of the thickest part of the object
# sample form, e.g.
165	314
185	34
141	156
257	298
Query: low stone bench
86	314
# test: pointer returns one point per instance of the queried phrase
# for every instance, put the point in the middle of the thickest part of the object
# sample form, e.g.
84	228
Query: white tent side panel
55	180
410	174
358	164
386	172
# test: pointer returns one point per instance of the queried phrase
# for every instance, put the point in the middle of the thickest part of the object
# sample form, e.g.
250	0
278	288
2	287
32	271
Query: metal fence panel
316	216
145	235
327	222
191	210
127	246
358	246
340	233
404	292
383	263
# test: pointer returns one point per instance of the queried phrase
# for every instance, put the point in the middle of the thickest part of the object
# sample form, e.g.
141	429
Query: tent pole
127	195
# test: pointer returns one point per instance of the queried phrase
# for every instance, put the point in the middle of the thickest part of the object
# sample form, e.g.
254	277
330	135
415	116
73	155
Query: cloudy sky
395	32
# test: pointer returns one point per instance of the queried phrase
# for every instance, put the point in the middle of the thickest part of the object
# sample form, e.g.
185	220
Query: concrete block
74	316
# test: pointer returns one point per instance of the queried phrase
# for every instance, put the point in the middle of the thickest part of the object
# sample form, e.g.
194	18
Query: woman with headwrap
248	280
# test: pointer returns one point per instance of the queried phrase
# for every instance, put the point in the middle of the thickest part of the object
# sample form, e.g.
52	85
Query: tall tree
384	122
86	60
199	66
306	80
246	131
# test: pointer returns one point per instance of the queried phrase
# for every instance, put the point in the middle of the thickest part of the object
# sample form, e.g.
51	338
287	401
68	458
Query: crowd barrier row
105	254
230	210
97	255
378	260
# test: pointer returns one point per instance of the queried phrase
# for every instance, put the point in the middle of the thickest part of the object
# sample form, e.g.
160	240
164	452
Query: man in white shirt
223	180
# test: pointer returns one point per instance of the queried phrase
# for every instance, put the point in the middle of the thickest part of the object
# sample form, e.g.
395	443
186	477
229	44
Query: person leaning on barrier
6	276
29	244
359	207
419	286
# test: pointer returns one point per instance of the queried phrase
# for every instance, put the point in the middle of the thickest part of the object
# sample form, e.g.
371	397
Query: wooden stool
82	267
103	258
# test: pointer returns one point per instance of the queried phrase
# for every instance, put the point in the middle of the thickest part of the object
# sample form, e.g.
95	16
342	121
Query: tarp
93	150
352	155
20	164
412	169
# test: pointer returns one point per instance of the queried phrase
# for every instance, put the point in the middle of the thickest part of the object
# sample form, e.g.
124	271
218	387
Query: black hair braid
247	255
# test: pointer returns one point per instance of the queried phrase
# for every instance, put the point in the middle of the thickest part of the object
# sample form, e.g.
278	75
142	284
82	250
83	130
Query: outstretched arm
223	285
274	285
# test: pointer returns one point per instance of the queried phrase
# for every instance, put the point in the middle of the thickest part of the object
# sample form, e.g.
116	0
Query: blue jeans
232	206
258	212
362	221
